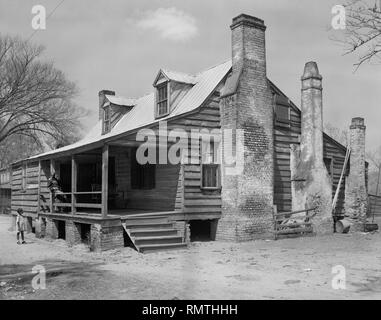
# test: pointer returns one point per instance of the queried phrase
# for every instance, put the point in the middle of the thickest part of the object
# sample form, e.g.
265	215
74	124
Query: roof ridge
175	71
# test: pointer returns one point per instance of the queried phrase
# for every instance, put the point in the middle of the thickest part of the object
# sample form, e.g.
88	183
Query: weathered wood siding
25	198
198	203
36	188
162	197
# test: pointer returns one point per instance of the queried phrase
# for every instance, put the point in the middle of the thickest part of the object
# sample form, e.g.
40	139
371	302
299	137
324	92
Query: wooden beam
39	188
52	171
105	156
74	170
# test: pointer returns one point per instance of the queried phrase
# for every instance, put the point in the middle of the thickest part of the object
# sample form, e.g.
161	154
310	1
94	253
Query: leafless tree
362	33
340	135
36	99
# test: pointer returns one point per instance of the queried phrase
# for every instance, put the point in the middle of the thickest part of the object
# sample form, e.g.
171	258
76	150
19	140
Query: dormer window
162	100
106	119
170	88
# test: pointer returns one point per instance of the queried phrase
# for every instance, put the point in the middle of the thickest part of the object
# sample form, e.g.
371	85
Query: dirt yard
284	269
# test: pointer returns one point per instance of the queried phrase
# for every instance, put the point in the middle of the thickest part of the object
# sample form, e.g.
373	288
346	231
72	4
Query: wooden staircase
152	232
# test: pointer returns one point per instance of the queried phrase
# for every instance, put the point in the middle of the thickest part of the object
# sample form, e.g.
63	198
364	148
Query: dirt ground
284	269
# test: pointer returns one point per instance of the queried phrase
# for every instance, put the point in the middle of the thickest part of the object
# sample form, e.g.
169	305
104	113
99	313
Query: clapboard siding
375	206
37	188
162	197
196	202
27	198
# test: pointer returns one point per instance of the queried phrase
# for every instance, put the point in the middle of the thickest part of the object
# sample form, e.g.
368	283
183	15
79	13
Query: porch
107	182
106	194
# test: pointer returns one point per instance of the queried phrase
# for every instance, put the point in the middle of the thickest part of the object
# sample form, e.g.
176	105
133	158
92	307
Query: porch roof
143	113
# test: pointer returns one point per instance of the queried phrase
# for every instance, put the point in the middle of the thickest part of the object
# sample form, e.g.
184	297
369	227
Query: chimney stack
246	105
355	190
102	99
312	116
311	186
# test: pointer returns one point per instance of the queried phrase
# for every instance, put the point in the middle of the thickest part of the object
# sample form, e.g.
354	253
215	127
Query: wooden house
108	199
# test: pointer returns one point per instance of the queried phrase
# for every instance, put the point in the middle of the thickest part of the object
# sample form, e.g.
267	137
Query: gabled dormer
112	109
170	88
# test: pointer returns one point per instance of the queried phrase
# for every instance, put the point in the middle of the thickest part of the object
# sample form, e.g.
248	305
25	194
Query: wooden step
148	225
139	241
162	247
153	232
149	215
133	221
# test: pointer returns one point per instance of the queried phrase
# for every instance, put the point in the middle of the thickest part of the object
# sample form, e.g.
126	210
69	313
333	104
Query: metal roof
143	113
179	76
120	101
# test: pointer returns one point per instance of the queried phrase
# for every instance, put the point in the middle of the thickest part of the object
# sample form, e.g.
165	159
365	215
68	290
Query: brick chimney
311	185
355	190
102	98
246	105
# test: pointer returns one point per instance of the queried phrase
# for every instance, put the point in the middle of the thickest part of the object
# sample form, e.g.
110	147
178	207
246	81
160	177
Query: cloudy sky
121	45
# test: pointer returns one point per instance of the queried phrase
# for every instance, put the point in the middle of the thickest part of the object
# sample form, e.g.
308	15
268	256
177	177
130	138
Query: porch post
73	184
105	154
39	188
52	171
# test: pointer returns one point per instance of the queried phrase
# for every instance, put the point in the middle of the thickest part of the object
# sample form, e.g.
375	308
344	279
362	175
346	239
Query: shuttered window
282	113
143	176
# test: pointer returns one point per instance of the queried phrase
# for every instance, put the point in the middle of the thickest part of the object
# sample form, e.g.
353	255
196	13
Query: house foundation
98	234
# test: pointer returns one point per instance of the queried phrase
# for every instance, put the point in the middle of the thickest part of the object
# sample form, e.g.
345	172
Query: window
282	113
210	168
106	119
162	100
143	176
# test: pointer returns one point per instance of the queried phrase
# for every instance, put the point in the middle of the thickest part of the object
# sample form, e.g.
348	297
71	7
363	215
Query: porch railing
74	203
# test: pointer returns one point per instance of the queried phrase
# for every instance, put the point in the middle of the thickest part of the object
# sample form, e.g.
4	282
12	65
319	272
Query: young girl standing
20	225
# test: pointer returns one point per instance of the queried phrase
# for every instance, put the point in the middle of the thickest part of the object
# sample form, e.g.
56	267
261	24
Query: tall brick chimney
311	185
355	190
246	105
102	98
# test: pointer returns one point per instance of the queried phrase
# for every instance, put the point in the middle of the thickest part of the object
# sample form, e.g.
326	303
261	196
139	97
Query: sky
121	45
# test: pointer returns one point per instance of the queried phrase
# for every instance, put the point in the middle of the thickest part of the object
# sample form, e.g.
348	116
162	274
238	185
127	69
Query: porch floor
122	213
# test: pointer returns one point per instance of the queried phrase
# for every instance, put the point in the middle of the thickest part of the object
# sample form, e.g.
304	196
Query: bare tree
18	147
362	33
340	135
36	99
